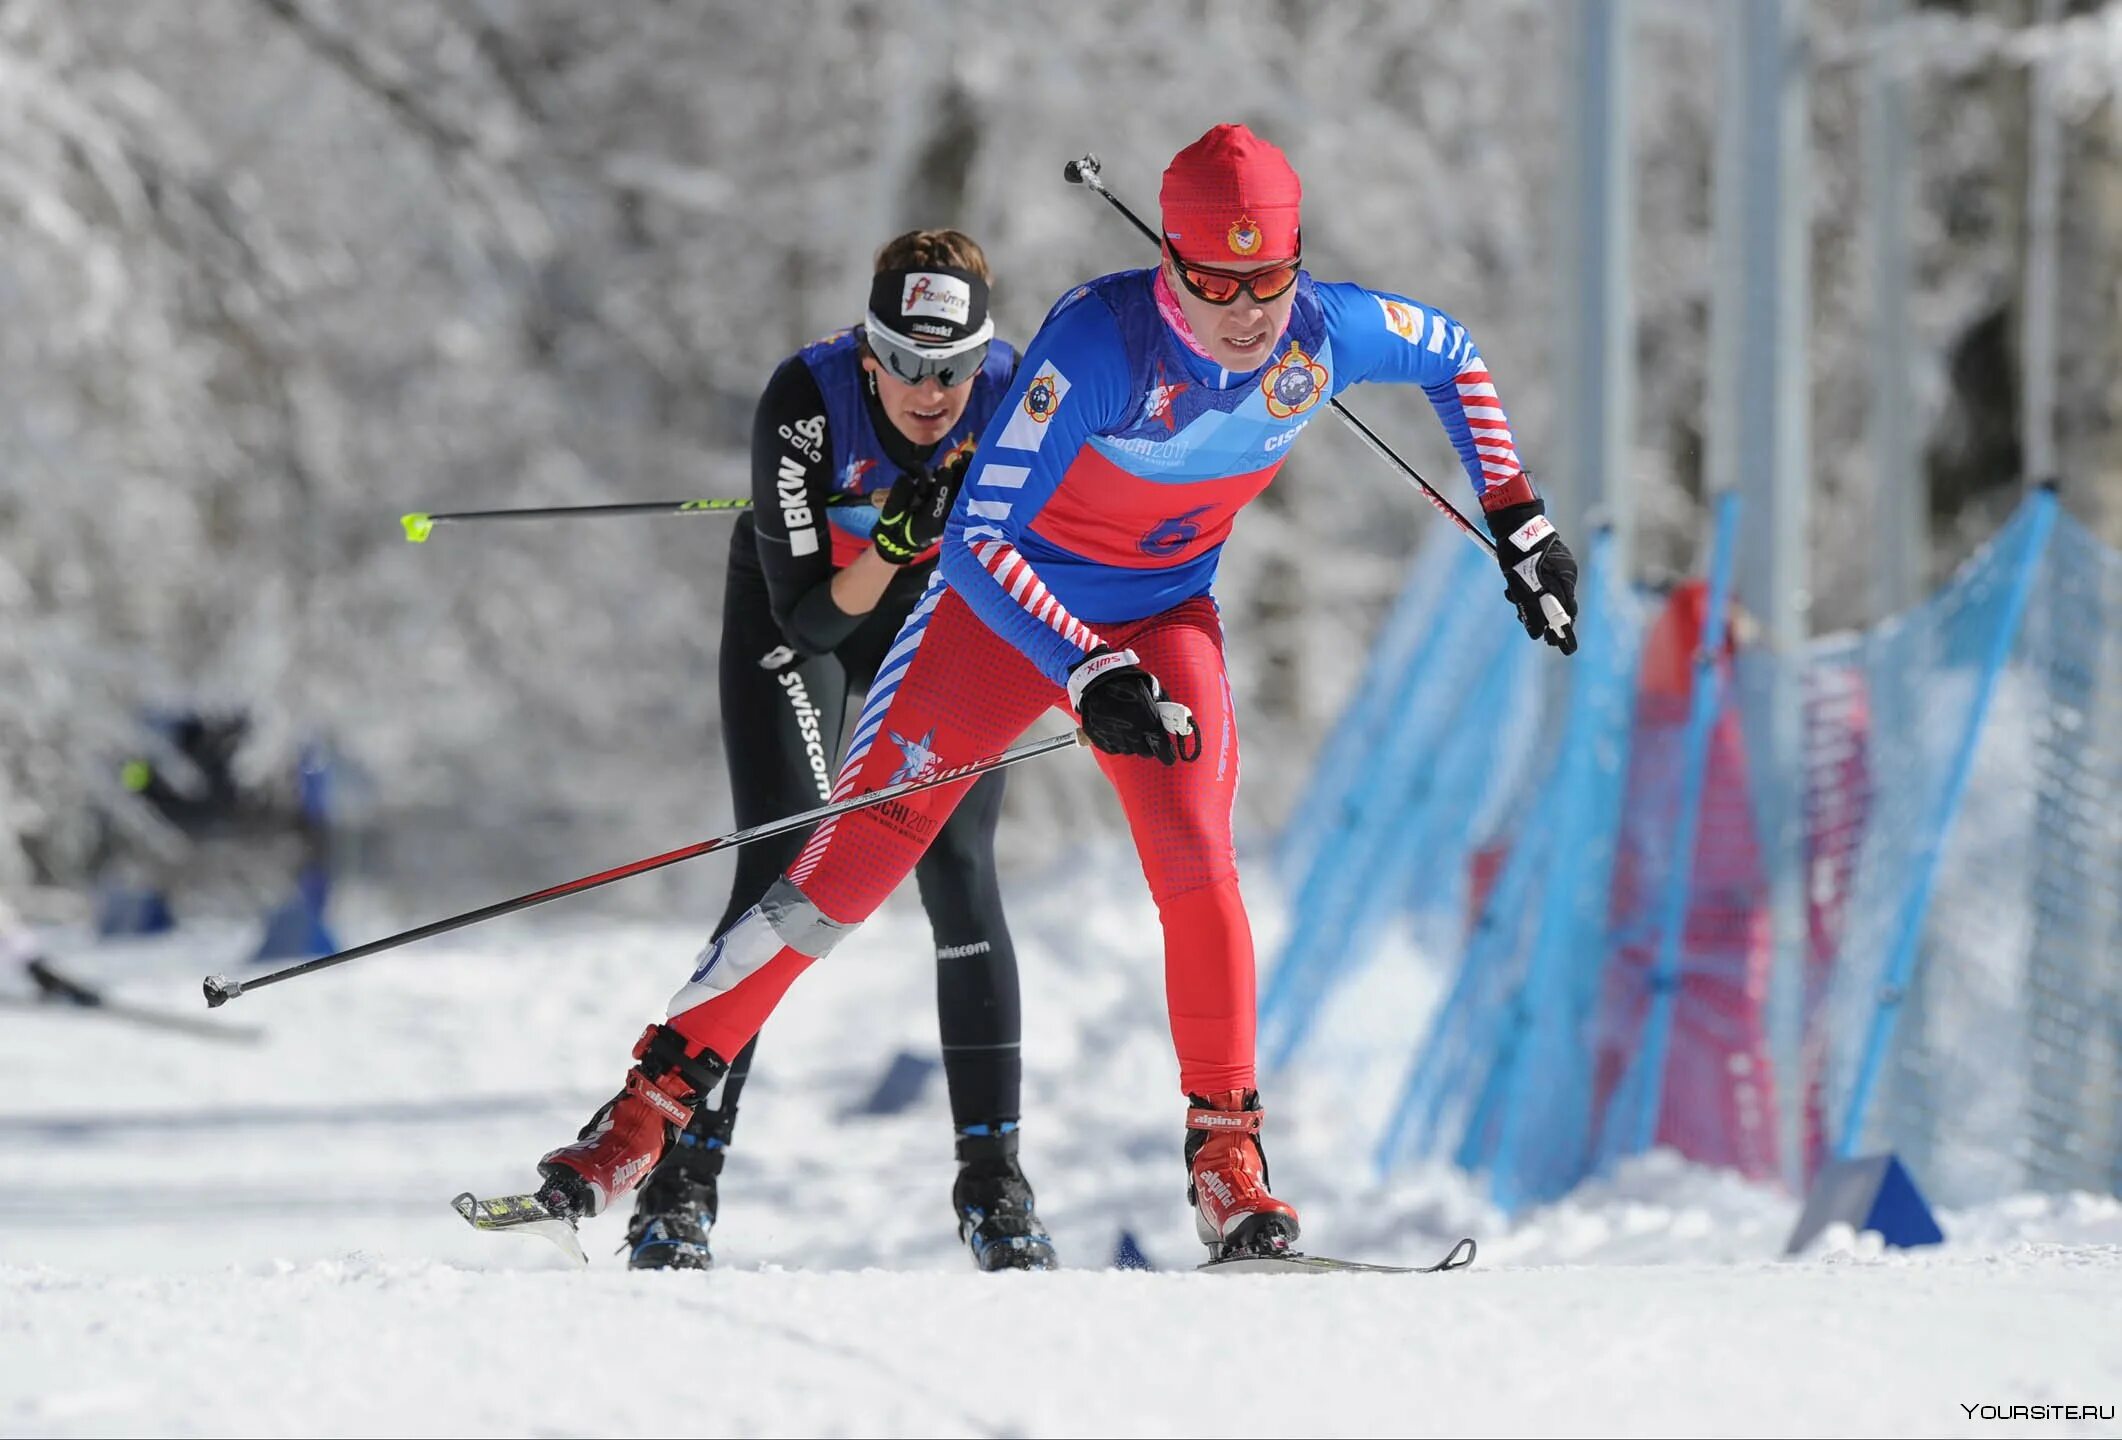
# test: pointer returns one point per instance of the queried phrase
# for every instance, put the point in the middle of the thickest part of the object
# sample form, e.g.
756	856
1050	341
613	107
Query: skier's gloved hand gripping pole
1126	712
419	524
220	989
911	515
1525	573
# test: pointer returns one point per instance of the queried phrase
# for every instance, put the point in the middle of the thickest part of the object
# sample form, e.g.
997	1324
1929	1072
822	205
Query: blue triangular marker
900	1086
295	929
123	910
1127	1255
1871	1192
1898	1211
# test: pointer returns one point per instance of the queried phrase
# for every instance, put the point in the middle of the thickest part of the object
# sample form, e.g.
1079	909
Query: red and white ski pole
220	989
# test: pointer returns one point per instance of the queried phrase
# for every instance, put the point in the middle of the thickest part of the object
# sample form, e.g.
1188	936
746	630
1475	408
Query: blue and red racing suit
1094	513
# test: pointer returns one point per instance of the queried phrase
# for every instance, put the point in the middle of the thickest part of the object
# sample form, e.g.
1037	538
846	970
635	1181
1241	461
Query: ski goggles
950	365
1221	287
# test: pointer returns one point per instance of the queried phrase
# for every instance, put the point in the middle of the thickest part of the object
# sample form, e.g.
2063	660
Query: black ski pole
1085	172
220	989
419	524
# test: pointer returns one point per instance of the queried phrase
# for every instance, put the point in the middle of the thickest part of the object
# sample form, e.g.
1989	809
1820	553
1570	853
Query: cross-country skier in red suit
1077	567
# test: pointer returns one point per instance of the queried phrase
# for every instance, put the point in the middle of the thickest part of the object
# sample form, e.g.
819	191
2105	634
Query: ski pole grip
1557	617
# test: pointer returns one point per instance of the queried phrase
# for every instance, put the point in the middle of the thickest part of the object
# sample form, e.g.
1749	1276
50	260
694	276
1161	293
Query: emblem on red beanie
1231	191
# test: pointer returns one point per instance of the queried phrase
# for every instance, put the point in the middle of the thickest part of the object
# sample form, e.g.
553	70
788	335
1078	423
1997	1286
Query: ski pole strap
1178	722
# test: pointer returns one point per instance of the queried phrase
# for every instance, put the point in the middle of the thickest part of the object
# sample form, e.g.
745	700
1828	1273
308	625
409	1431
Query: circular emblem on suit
1293	384
1040	399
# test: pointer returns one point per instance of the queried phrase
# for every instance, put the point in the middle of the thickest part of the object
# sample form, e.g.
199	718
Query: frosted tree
276	271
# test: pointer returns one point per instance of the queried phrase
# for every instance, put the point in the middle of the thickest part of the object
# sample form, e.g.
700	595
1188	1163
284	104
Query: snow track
364	1346
202	1238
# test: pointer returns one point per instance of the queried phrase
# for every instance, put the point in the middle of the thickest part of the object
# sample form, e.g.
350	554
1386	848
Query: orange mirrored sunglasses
1221	287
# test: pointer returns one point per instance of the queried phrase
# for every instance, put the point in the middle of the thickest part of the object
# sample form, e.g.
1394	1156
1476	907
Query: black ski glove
915	511
1125	712
1537	566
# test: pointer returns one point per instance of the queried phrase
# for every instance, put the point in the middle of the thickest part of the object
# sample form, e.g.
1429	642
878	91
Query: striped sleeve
1013	574
1380	336
1071	384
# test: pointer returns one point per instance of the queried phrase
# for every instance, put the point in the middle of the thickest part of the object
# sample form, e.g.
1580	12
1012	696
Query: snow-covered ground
255	1238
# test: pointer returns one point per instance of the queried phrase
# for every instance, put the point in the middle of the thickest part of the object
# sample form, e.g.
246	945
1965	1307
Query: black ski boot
676	1208
993	1202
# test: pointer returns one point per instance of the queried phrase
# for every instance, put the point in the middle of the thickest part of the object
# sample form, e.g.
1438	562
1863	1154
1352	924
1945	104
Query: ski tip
523	1213
418	526
1292	1262
220	989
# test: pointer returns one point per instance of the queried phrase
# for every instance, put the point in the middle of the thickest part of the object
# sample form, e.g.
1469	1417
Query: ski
527	1214
1459	1257
523	1214
62	994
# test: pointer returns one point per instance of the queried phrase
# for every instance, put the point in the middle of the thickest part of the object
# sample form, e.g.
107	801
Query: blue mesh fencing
1682	774
2003	1068
1407	787
1958	985
1514	1020
1323	806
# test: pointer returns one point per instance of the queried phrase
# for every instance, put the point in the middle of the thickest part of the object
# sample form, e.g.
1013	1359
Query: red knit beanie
1231	196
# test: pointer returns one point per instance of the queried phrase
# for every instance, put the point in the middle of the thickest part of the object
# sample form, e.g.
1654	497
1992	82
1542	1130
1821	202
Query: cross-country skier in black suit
887	410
